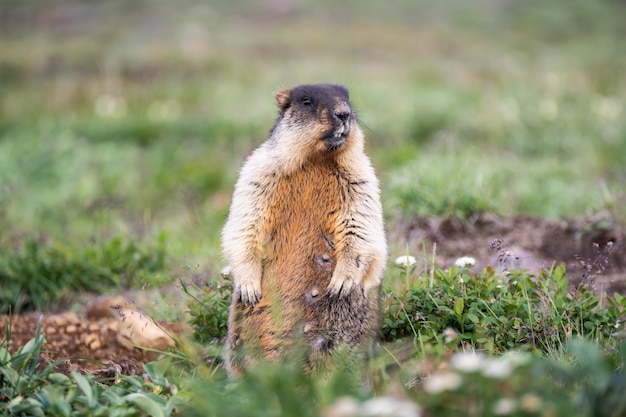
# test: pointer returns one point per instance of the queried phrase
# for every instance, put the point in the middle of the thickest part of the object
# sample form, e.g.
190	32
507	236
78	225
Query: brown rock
137	329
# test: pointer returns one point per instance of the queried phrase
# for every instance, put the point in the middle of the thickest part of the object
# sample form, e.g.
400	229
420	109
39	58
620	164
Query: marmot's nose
342	115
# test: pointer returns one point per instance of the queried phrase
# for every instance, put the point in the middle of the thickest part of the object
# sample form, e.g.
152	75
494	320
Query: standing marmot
305	235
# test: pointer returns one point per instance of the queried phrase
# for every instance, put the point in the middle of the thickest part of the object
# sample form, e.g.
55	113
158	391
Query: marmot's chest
307	209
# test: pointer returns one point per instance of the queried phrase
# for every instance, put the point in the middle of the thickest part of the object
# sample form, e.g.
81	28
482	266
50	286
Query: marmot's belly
295	282
304	264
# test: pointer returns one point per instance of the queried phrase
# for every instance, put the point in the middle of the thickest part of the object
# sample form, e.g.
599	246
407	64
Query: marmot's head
316	118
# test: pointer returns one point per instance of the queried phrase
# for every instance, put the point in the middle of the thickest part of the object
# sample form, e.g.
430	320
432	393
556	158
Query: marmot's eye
306	101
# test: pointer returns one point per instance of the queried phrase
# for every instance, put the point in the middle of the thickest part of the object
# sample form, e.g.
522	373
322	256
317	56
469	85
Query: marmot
305	236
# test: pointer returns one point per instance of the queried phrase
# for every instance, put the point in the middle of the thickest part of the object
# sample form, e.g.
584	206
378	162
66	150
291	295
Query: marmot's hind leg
252	337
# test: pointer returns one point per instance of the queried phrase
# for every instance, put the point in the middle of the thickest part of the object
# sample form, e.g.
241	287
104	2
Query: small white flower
504	406
405	261
516	358
389	406
227	271
467	361
497	368
444	381
450	335
465	261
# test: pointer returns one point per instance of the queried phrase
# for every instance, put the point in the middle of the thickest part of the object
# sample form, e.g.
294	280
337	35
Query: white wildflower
504	406
467	361
497	368
405	261
450	335
444	381
516	358
389	406
465	261
227	271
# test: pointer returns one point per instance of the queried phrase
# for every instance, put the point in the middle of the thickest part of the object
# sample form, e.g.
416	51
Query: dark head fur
328	104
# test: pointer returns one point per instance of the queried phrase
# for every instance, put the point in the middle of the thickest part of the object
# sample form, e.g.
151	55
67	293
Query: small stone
315	292
90	338
93	327
71	329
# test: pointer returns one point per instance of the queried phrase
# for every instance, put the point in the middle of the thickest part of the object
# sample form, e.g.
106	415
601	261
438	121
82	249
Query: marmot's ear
283	98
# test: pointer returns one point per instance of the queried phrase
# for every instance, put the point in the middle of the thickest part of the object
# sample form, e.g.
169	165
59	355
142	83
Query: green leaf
146	404
5	356
459	305
35	408
16	401
61	407
10	375
86	387
473	318
58	378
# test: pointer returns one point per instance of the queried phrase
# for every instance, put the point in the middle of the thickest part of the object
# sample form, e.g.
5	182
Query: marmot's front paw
249	292
341	287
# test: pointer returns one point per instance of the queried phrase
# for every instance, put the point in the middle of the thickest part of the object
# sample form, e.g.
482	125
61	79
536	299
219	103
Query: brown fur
305	236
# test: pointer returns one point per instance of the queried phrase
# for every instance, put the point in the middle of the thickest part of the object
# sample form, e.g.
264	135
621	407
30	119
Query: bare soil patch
590	248
106	335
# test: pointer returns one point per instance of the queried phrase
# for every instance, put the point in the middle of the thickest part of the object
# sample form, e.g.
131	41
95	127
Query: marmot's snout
344	119
341	126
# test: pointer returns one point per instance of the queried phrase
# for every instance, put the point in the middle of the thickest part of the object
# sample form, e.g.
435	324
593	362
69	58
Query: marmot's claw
249	294
341	290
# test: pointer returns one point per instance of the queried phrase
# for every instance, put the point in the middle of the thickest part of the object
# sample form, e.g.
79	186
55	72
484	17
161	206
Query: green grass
452	340
490	107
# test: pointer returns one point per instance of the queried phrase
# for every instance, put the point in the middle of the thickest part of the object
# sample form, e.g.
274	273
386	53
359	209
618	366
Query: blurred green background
123	124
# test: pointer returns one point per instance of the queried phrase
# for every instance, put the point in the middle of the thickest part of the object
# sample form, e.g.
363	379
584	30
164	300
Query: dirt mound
588	247
108	335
